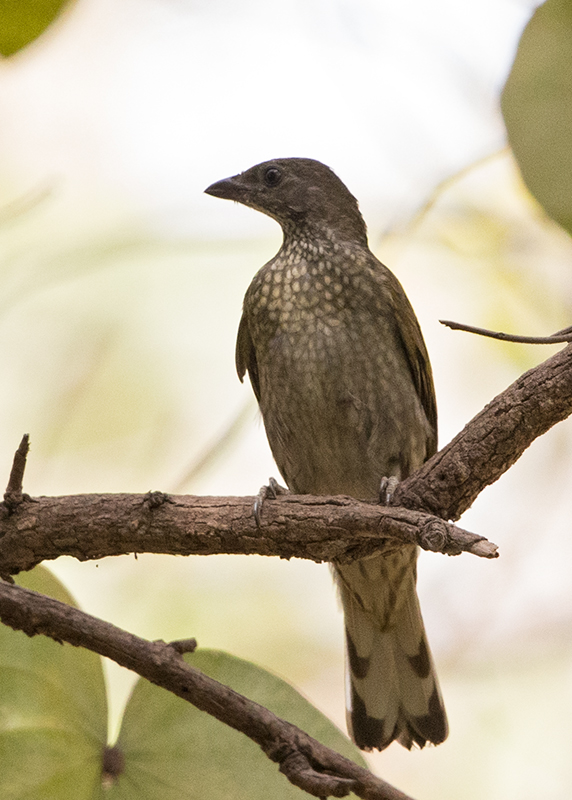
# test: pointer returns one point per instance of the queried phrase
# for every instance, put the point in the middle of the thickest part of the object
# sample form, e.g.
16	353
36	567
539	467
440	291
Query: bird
338	364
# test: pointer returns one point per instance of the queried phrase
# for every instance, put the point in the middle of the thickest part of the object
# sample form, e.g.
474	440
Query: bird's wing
246	356
411	338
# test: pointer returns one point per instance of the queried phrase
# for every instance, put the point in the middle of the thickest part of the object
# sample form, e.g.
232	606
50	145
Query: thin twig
556	338
14	495
24	204
215	449
441	189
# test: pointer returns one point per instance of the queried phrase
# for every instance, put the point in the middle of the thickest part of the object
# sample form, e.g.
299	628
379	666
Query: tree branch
565	335
321	529
306	763
449	483
318	528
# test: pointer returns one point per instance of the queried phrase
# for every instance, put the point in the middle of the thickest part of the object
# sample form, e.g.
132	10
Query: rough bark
93	526
449	483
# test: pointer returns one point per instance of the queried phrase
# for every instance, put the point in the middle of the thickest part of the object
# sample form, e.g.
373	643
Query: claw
386	489
269	492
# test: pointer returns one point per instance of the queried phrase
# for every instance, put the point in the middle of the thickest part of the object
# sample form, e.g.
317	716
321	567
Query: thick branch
306	763
318	528
322	529
492	441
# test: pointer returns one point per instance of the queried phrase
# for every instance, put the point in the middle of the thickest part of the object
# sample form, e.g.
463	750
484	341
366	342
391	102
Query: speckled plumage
340	370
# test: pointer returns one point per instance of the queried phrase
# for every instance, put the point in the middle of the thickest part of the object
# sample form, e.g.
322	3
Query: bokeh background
121	293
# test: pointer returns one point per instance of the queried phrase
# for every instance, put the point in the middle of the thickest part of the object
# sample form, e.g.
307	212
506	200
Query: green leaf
537	108
53	727
53	712
22	21
173	751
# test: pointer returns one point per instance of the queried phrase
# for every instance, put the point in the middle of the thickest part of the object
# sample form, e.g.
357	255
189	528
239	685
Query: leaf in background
173	751
537	108
22	21
53	711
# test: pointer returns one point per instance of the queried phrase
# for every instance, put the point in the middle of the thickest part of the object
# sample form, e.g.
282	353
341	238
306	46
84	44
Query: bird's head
297	192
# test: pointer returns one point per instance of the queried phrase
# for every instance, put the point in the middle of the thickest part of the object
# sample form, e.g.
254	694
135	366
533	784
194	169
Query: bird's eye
272	176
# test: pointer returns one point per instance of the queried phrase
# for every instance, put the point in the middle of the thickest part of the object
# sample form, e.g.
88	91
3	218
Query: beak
228	189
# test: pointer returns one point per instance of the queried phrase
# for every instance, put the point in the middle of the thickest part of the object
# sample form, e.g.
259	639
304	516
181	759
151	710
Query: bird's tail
392	688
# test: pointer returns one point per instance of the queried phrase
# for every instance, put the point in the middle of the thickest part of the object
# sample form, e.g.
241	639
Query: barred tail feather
392	688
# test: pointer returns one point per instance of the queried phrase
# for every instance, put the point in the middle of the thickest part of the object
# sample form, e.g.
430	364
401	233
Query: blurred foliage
133	373
173	751
537	108
22	21
52	711
490	256
53	727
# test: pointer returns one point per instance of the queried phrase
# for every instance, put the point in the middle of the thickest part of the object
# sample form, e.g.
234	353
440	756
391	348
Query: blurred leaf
174	751
53	712
53	727
537	109
24	20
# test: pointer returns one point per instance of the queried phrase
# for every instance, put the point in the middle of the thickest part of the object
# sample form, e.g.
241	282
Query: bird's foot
269	492
386	489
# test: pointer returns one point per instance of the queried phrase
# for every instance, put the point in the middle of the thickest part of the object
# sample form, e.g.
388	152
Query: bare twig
447	183
307	763
215	450
184	645
556	338
24	204
13	495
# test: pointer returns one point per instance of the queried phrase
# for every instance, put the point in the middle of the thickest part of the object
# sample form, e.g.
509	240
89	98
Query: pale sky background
122	291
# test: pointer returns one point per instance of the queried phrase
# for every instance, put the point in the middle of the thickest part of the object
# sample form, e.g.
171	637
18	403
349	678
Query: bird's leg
269	492
386	489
